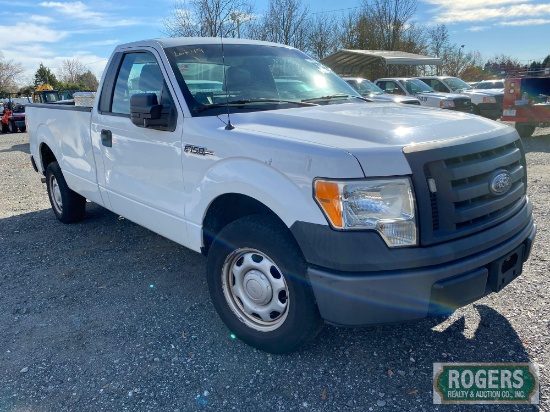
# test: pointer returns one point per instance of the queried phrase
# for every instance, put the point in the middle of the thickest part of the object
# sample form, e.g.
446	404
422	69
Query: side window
384	86
396	89
430	82
138	73
438	86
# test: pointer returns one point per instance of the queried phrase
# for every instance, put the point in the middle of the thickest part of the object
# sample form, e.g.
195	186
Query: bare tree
455	60
438	38
207	18
383	25
323	36
9	73
286	22
392	17
70	70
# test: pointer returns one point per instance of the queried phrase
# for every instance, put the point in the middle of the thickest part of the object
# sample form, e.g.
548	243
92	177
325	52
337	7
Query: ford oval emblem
500	183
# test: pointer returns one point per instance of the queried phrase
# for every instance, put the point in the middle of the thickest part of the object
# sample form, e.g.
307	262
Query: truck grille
453	187
499	98
463	104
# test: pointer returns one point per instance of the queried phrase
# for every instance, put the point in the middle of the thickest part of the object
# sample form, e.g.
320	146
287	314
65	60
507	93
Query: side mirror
146	112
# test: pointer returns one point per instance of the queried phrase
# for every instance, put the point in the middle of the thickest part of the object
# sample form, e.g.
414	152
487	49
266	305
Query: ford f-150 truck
486	103
310	203
428	97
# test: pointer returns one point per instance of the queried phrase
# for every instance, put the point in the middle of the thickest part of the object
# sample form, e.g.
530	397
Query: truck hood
440	96
363	125
483	92
363	129
392	98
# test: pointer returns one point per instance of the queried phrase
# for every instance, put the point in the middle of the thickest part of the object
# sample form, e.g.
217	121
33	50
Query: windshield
457	84
252	77
414	86
490	85
365	87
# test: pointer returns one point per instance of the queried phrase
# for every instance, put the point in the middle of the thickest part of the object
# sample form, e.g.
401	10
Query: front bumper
385	296
489	110
18	122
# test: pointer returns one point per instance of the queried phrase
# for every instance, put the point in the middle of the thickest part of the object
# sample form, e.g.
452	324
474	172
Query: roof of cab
189	41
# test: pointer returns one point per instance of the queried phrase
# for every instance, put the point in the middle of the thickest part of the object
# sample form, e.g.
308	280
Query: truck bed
66	130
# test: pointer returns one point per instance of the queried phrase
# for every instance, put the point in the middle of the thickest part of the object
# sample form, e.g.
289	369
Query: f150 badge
197	150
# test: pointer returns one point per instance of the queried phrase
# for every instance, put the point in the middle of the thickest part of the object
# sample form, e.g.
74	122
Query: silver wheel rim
57	201
255	289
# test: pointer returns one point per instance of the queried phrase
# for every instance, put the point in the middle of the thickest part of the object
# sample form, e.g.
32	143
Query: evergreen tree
45	76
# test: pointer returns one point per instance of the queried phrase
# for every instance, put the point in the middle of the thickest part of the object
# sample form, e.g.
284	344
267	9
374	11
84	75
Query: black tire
475	110
23	129
269	259
68	206
525	129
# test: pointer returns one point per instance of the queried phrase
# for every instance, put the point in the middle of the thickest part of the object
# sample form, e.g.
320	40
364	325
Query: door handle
106	138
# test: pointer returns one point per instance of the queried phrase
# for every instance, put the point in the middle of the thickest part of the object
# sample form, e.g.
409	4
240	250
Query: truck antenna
228	126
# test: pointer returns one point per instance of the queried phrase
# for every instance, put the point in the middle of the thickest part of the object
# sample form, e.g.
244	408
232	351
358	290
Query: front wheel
257	282
68	206
525	129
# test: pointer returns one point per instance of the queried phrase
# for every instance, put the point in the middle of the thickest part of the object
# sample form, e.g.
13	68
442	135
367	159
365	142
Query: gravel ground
107	316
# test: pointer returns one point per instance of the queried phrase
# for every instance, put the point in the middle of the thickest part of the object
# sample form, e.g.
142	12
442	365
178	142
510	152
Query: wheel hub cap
257	287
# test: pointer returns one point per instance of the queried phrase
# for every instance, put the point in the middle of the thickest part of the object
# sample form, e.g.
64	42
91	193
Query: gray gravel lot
104	315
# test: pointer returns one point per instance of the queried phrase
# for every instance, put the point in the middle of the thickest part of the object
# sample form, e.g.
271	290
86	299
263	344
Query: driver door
139	169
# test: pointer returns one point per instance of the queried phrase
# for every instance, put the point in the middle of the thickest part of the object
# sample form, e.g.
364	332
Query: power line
334	11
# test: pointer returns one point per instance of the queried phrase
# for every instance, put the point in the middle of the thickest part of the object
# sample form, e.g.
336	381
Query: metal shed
353	62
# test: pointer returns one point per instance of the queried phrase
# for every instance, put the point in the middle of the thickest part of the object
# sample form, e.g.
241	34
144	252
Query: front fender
289	197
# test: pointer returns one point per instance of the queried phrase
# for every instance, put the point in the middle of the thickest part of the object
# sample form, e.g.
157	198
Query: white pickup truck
310	203
486	103
428	97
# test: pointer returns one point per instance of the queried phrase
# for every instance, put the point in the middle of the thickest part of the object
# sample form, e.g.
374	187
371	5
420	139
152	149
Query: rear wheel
257	282
525	129
68	206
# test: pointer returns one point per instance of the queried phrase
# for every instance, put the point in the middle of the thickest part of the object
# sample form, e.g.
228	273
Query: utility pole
458	63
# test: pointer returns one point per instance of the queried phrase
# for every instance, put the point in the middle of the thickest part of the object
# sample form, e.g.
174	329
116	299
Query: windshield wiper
244	102
331	97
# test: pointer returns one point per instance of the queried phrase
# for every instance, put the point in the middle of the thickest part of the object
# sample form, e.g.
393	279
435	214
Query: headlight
446	104
489	99
384	205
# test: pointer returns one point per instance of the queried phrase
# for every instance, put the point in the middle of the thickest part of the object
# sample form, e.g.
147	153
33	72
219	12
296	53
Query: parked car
486	103
368	89
428	97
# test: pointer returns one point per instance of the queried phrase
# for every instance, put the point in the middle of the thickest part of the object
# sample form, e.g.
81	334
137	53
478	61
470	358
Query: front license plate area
506	269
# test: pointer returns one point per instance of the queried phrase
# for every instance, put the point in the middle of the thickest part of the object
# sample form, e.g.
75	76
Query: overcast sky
48	32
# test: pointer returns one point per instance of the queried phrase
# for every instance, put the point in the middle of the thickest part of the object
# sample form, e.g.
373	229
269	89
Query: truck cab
428	97
486	103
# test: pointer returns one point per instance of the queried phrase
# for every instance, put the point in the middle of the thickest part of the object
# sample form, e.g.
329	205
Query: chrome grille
463	104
